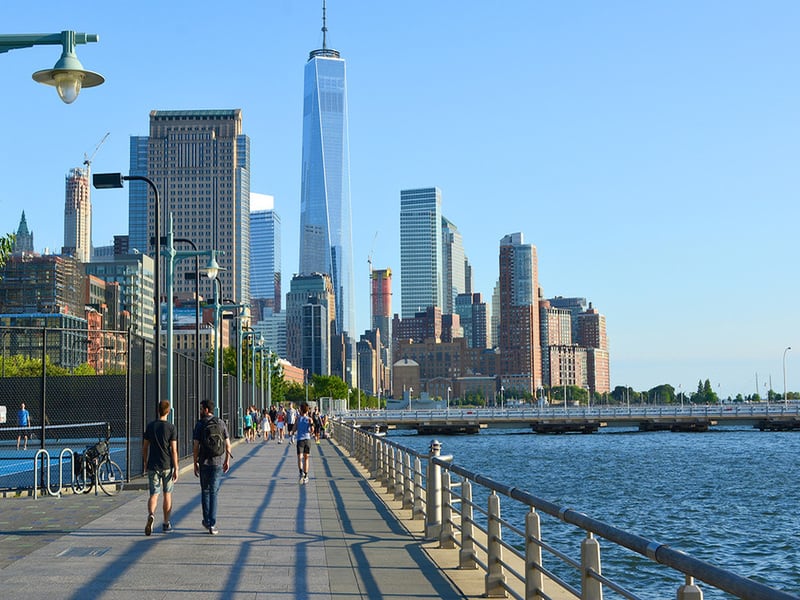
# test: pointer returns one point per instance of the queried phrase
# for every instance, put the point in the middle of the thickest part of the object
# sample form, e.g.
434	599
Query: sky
648	150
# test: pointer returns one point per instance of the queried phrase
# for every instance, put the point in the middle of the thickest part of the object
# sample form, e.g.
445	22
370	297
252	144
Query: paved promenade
333	538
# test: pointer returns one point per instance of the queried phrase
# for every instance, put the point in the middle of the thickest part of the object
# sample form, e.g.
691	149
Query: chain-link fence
68	388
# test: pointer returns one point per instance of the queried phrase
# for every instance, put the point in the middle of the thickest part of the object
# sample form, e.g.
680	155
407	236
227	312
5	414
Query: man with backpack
212	453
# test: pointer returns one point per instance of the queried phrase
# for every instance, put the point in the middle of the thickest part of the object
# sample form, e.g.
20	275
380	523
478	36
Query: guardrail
442	495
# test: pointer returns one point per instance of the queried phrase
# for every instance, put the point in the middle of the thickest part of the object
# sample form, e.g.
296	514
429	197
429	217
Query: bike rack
48	489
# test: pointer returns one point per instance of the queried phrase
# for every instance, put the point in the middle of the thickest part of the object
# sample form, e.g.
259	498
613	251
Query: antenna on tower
324	26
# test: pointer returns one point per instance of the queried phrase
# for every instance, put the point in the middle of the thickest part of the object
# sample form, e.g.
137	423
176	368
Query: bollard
690	591
466	556
495	573
591	588
446	538
433	493
534	578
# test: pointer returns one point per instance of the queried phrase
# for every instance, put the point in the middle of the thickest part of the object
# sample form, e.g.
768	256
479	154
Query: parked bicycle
94	467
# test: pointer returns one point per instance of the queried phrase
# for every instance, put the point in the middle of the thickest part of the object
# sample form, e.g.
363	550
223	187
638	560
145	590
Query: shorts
158	478
303	447
289	427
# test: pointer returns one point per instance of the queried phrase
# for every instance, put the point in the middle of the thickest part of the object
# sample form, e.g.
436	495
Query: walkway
332	538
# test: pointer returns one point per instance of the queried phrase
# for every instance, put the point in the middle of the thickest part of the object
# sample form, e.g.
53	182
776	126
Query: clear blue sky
648	150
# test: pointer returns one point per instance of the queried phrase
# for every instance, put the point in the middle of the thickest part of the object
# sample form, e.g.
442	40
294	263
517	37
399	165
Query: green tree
328	386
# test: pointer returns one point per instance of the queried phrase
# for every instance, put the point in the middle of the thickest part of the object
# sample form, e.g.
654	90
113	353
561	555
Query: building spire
324	26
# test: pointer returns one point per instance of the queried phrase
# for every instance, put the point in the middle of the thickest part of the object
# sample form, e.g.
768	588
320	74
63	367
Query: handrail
441	502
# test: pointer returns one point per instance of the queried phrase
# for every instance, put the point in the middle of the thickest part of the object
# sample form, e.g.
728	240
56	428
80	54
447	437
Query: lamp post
219	308
240	414
104	181
785	397
410	393
502	397
175	256
448	398
68	75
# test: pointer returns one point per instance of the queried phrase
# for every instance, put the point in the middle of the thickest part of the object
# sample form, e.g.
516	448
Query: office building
23	242
310	322
199	160
325	219
474	315
518	331
454	266
77	216
265	257
420	250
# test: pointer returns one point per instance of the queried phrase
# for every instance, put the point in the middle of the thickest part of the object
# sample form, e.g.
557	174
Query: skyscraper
420	250
200	162
265	256
325	222
310	309
453	265
520	353
381	296
23	242
77	216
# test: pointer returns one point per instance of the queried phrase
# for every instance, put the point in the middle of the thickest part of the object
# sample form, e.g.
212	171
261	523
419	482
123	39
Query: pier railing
462	510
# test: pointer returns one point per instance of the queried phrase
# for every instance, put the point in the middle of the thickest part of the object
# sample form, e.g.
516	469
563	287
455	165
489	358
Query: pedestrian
305	429
291	420
211	453
160	458
24	421
317	421
266	424
248	426
280	423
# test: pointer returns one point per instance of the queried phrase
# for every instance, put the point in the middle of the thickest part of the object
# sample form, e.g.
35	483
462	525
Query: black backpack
212	440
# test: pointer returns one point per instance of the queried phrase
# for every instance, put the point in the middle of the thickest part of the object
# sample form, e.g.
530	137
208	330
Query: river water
728	496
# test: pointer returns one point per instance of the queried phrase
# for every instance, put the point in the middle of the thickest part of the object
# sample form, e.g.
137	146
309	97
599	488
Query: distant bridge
582	419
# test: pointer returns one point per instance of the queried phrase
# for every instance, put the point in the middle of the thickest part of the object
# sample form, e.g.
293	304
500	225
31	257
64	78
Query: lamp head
68	77
212	269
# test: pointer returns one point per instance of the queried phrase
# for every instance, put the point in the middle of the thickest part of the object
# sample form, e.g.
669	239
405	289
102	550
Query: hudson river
728	496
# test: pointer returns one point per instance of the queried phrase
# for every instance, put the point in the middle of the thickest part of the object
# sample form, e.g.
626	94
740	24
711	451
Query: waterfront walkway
332	538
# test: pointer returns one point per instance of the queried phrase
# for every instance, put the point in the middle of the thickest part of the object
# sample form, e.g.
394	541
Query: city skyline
646	151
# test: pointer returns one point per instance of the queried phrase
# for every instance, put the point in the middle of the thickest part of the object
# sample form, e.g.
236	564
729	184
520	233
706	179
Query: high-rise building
199	160
518	332
591	334
23	242
77	216
381	303
265	257
325	221
454	265
575	306
474	315
310	320
420	250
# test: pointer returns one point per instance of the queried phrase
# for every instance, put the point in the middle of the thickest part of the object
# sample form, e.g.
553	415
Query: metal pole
785	397
217	344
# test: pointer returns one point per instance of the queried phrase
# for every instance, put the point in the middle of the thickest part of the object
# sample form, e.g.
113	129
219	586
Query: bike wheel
82	481
110	478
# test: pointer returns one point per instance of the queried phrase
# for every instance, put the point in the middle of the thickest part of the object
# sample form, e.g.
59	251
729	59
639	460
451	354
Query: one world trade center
325	221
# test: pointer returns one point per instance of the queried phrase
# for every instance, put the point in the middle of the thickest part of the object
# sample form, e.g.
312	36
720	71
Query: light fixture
213	268
68	75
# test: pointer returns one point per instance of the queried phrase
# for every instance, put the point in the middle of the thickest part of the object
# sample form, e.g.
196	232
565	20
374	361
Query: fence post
591	588
433	493
466	556
375	447
408	484
690	591
534	578
399	475
495	573
419	511
446	539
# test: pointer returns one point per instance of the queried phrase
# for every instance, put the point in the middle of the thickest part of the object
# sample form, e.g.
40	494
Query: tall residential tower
77	216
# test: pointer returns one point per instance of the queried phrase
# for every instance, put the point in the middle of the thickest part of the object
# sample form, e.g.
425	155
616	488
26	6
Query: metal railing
522	564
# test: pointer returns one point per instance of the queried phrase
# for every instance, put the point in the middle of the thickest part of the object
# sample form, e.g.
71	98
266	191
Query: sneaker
166	527
148	529
302	476
317	442
305	478
213	530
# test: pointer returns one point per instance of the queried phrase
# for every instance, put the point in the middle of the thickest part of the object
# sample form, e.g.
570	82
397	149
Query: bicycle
94	467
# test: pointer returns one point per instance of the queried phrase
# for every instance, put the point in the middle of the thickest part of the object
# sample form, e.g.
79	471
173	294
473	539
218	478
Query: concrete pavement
333	537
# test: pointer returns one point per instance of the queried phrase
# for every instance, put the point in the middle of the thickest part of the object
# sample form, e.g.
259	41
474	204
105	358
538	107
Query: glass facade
420	250
325	220
265	257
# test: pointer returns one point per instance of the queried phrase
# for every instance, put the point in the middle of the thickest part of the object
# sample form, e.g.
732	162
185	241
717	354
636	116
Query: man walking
305	429
211	452
160	457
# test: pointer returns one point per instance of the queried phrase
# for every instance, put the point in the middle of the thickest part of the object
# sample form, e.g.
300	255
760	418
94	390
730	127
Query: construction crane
369	256
87	160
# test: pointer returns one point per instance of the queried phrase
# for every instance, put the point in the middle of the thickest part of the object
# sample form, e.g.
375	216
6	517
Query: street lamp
448	398
785	397
502	398
68	75
104	181
410	393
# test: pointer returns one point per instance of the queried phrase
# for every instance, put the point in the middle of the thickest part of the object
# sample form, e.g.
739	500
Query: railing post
591	588
399	475
419	510
433	493
495	573
690	591
466	556
446	539
390	470
534	578
375	459
408	484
